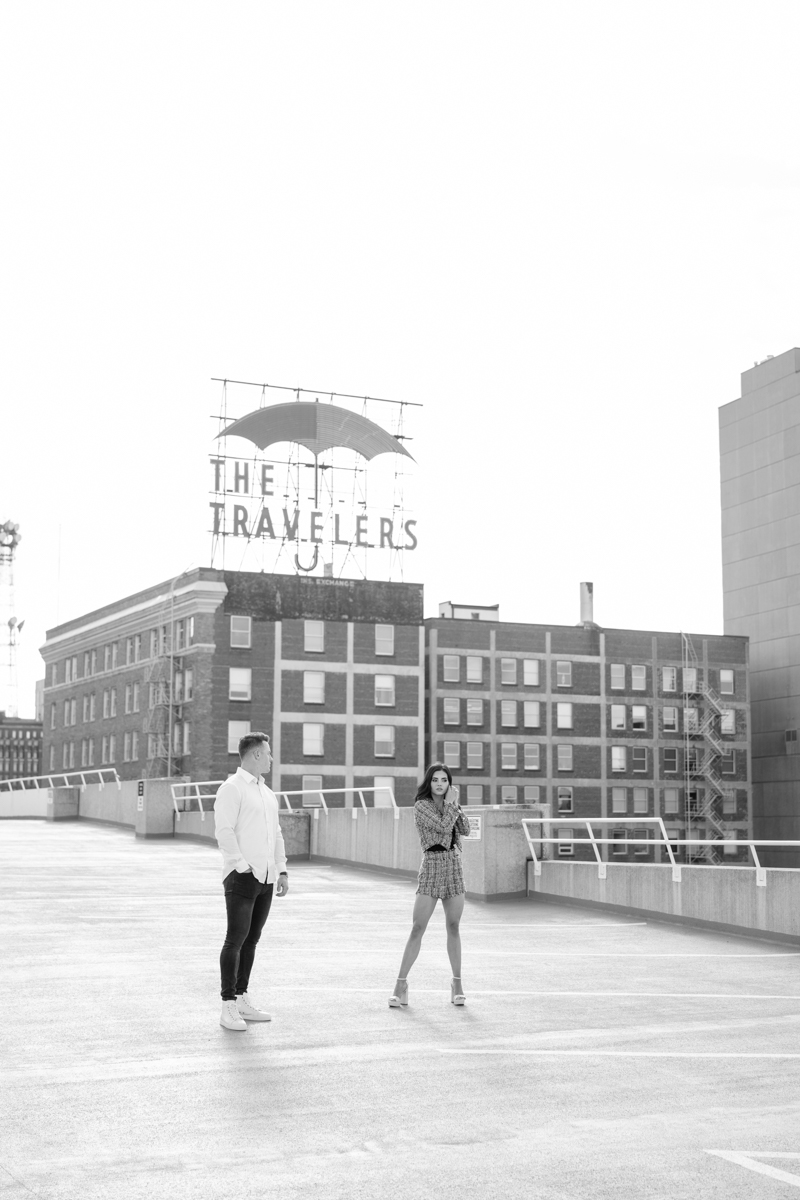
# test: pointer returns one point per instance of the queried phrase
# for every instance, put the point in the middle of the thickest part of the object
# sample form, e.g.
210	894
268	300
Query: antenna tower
9	627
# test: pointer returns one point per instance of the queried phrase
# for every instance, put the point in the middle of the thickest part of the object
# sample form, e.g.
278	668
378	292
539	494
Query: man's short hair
250	741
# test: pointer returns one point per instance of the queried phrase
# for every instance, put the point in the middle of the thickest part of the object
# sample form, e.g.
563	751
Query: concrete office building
595	723
760	483
166	681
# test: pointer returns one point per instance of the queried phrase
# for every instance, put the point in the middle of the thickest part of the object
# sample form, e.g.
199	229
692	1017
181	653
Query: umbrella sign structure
270	501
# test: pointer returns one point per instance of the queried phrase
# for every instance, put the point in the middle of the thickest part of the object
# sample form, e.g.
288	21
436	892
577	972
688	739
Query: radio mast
9	627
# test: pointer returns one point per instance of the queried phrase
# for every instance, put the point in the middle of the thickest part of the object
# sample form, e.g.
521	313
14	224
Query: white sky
563	228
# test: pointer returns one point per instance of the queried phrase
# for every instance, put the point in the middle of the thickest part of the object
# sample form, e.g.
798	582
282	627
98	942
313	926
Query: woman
439	822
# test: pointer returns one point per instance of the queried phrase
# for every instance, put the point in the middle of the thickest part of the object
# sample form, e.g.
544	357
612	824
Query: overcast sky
564	229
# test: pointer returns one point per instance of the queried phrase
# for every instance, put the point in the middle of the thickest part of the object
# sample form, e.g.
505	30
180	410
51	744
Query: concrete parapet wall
724	898
32	802
294	827
494	864
109	804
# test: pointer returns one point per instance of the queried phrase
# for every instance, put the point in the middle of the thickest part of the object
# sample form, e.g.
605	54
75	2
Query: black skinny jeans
248	904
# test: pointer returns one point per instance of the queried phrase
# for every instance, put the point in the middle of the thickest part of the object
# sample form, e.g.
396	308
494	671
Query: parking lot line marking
749	1159
561	994
591	1053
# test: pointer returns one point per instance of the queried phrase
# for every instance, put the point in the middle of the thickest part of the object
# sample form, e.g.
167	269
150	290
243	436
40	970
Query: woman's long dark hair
424	789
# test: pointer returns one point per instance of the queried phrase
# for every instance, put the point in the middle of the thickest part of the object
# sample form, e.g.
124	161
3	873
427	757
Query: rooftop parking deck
597	1056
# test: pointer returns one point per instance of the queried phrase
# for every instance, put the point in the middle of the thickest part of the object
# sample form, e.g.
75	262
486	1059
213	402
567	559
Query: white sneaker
229	1017
249	1011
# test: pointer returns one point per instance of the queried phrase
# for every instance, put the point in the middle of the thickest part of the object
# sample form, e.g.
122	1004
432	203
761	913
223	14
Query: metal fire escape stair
702	749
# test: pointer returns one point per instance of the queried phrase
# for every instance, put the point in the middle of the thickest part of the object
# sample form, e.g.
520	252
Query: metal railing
103	775
665	840
207	790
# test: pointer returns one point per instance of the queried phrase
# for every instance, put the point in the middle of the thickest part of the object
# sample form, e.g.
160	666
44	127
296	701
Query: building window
619	758
384	691
311	786
384	741
66	714
128	661
669	719
112	746
314	739
564	716
128	698
508	714
114	656
451	668
474	756
86	662
475	793
728	762
474	712
187	738
240	683
671	801
112	702
474	669
65	755
727	721
690	679
52	766
641	837
565	847
188	687
531	793
508	671
126	748
564	757
508	756
452	711
618	677
530	672
564	674
384	640
137	647
690	720
639	756
135	696
669	678
153	654
85	753
726	686
564	799
639	716
641	805
52	716
617	716
314	687
531	754
729	802
508	793
92	706
106	704
452	754
619	800
236	730
729	837
241	632
152	745
103	751
134	747
531	714
670	761
314	637
619	837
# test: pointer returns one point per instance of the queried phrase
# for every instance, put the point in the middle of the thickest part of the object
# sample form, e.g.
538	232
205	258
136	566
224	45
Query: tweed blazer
435	830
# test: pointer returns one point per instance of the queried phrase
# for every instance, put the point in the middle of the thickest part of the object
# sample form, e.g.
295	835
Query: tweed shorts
440	874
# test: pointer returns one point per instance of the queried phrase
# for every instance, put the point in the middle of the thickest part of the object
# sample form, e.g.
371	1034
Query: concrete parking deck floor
596	1056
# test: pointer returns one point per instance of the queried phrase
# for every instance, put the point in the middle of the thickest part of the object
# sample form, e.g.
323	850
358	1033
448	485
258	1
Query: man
253	858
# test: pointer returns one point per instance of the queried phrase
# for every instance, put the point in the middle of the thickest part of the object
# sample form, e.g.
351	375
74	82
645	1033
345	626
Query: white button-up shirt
247	827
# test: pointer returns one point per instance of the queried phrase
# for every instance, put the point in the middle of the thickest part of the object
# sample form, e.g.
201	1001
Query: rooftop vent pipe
587	604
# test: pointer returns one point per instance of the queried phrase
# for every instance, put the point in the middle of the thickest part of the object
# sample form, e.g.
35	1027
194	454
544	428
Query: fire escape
164	697
705	792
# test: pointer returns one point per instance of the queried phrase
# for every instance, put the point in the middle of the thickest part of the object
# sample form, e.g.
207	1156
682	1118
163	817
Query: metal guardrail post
601	866
761	872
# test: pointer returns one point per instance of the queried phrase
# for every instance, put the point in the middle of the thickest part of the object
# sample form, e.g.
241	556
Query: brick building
20	747
166	681
594	722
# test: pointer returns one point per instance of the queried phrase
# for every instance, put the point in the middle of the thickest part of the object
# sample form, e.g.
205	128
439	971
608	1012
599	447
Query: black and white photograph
400	600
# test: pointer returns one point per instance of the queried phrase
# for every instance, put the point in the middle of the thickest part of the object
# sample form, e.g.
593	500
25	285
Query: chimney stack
587	604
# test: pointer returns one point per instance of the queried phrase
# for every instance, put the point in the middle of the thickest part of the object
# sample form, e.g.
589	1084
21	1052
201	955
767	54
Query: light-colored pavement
596	1056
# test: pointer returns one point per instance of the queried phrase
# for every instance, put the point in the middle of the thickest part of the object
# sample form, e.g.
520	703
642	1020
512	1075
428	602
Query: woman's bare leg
453	908
423	910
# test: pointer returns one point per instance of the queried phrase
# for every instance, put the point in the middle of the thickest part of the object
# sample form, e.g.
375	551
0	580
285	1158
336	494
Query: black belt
437	850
